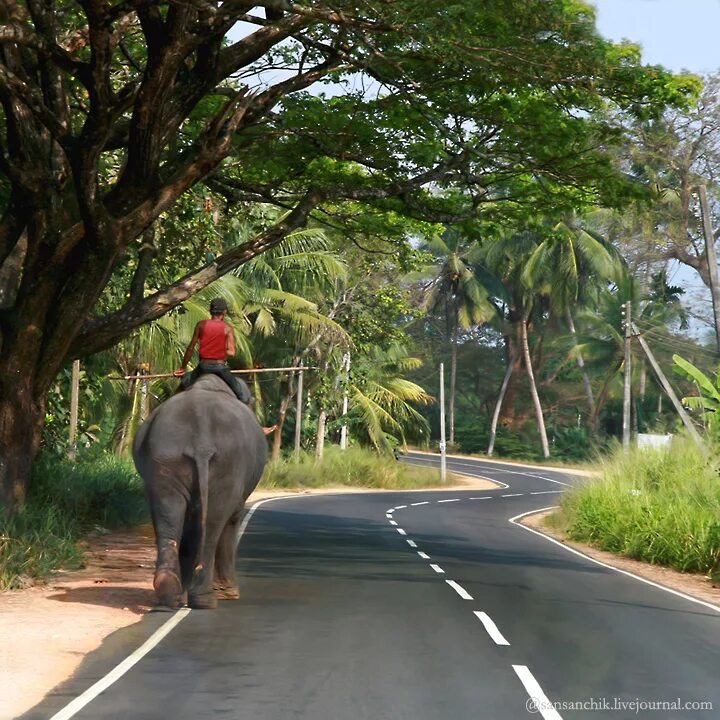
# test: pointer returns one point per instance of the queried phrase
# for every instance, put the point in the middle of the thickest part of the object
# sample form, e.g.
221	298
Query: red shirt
213	345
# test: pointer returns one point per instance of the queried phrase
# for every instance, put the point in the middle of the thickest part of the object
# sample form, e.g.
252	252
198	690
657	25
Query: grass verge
65	502
354	467
660	506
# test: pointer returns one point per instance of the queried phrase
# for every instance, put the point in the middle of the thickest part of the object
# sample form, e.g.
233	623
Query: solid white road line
460	590
423	555
514	521
119	670
401	531
491	627
412	543
437	569
74	707
540	701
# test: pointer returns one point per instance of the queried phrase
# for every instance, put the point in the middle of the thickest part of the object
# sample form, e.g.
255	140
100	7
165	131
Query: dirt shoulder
50	628
694	584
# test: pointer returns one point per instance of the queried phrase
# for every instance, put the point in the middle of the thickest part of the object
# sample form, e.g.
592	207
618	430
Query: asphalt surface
462	615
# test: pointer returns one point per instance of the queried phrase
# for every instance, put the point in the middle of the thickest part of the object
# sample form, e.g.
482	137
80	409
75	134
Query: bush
354	467
662	506
65	501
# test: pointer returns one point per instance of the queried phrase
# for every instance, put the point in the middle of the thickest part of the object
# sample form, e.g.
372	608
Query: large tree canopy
111	111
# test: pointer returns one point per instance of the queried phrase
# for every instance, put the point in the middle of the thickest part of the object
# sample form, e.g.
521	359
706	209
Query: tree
570	266
457	295
111	112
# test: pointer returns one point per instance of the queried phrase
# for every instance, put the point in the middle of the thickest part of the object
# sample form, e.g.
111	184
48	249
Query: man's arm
229	341
188	353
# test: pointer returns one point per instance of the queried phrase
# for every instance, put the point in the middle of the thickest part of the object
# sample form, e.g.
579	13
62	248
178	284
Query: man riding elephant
217	343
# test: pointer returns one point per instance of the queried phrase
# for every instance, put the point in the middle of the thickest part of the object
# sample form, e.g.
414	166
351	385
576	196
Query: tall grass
354	467
661	506
66	501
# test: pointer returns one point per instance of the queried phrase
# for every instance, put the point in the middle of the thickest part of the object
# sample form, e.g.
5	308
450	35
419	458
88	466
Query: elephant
200	453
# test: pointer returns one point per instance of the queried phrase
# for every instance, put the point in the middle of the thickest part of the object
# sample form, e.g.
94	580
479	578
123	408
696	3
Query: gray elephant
201	453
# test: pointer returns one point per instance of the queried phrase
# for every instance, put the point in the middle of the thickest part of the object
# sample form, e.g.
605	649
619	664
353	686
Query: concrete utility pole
443	462
687	422
298	414
711	260
74	402
627	372
344	430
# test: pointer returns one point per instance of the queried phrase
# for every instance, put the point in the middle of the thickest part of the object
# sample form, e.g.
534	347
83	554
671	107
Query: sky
681	35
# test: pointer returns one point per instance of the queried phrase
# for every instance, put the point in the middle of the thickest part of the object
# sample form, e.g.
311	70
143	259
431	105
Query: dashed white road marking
388	516
546	492
485	497
423	555
401	507
453	500
390	511
412	543
427	502
542	704
401	531
512	495
460	590
491	627
392	522
437	569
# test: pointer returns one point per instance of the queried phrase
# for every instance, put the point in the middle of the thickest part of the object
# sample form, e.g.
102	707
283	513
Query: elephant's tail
202	465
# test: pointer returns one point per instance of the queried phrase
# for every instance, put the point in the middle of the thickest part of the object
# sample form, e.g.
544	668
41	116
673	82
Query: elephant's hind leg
226	583
168	518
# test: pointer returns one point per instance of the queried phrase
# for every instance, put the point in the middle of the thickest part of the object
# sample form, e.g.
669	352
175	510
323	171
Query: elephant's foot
227	592
203	601
168	588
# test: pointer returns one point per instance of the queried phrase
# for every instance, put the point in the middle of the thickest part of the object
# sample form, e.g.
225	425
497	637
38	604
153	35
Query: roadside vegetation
661	506
355	467
67	501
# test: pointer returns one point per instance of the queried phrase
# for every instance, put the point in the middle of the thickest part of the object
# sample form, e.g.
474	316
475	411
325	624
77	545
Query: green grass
661	506
65	502
354	467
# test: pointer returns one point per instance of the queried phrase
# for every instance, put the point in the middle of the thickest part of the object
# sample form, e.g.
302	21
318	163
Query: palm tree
383	399
457	294
501	265
570	266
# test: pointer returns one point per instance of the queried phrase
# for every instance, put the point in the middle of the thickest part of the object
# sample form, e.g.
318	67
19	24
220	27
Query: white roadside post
74	402
443	465
298	414
344	430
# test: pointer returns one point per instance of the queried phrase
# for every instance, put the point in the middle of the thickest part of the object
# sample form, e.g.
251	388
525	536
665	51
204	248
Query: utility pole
443	463
74	402
687	422
711	256
298	414
627	374
344	430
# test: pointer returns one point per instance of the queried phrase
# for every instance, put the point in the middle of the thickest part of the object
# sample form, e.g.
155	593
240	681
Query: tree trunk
21	423
533	390
581	364
498	405
513	342
320	437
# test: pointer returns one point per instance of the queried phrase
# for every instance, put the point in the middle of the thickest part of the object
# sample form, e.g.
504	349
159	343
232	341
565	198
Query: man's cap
217	306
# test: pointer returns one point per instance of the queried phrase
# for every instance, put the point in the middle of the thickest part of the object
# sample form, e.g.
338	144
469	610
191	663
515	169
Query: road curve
425	605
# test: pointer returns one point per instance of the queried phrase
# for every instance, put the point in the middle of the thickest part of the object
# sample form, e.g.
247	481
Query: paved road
419	606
